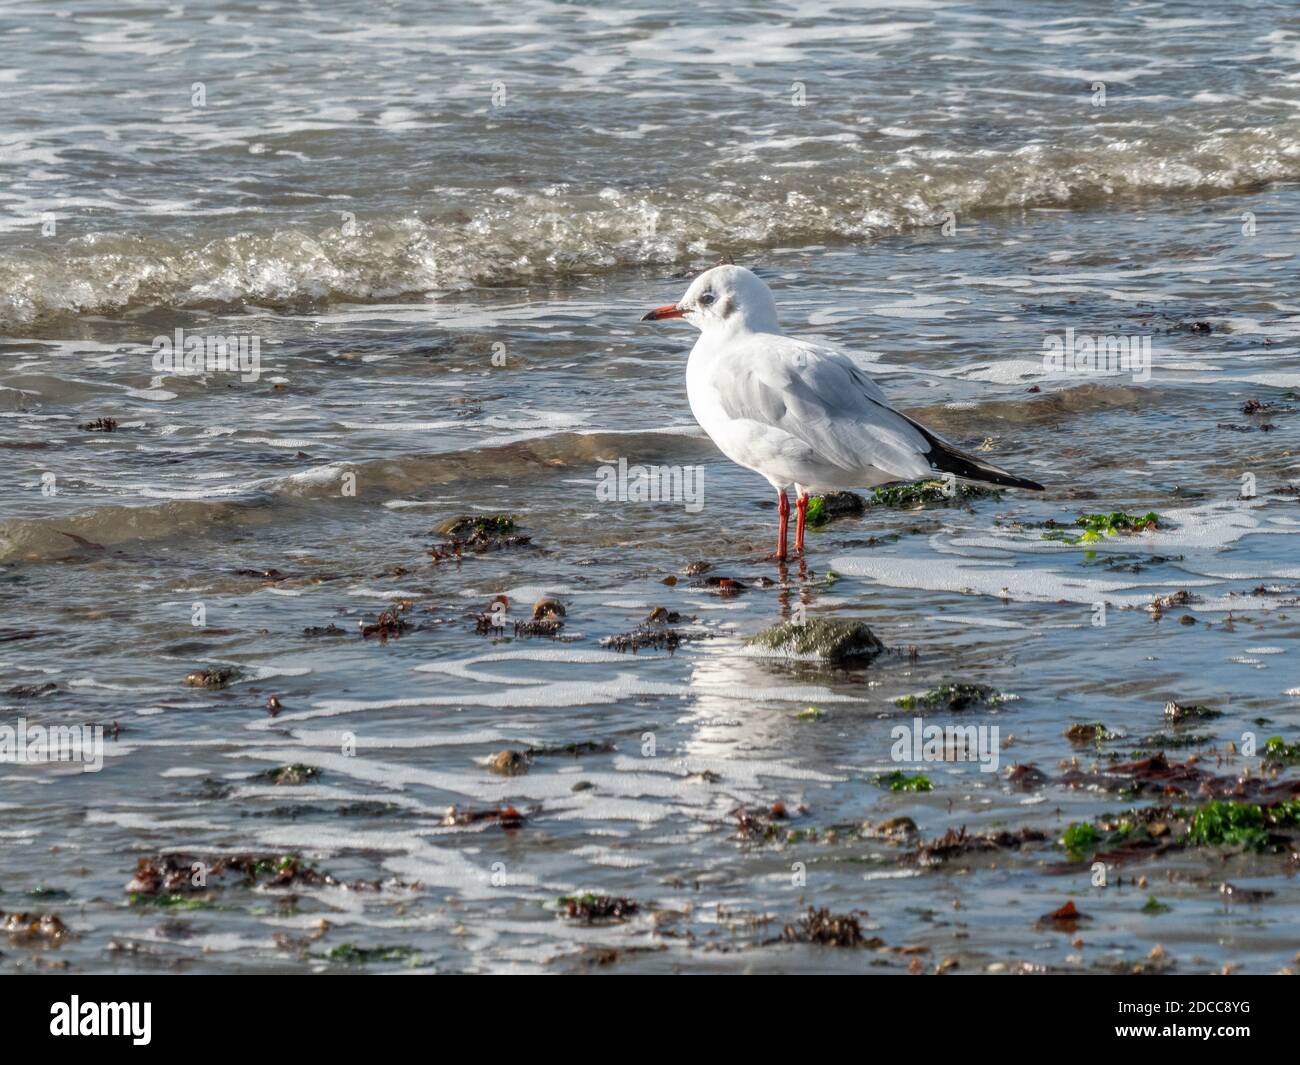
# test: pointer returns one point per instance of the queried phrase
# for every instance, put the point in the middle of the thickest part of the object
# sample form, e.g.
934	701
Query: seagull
797	412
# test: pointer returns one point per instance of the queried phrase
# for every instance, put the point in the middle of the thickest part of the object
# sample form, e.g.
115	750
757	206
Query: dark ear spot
725	306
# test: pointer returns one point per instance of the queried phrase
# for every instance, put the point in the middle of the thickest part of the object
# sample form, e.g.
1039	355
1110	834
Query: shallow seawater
225	519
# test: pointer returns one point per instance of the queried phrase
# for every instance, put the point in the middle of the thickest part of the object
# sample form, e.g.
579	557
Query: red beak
660	313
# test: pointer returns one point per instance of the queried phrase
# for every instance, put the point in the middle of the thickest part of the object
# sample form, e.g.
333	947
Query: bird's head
725	297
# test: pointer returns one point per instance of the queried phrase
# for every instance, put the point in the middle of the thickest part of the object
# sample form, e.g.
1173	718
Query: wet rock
696	569
573	749
548	608
1064	919
271	575
219	677
592	909
1091	732
1180	712
762	824
662	616
293	775
476	535
1252	896
952	698
958	842
1026	777
509	763
834	640
822	510
328	630
466	526
30	691
1161	603
1260	407
895	828
505	816
34	927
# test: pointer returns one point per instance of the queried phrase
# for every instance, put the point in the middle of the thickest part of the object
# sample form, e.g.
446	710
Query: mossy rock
825	509
833	640
466	525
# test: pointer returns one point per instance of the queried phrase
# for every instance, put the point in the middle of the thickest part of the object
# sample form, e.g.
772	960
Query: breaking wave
517	237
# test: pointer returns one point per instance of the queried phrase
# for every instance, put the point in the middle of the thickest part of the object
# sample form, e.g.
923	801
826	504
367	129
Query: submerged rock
465	526
952	697
833	640
220	677
509	763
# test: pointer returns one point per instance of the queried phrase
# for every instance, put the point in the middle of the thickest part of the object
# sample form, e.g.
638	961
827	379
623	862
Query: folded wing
819	396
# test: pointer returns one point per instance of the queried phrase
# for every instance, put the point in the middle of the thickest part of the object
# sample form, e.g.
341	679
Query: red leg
801	504
783	508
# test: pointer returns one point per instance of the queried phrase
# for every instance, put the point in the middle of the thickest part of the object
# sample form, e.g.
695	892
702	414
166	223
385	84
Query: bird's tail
945	458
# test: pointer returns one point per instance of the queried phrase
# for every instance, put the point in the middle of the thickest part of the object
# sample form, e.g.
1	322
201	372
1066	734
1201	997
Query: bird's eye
707	298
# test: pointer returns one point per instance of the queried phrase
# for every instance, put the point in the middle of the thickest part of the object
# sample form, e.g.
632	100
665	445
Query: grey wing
820	397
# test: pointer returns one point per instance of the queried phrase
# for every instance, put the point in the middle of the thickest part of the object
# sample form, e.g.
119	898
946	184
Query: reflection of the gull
722	721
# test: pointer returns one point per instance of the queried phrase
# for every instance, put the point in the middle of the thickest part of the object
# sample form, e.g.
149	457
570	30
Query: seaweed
759	824
591	909
476	535
351	954
99	425
1080	837
921	494
1278	752
825	929
1098	526
389	624
952	698
900	781
169	880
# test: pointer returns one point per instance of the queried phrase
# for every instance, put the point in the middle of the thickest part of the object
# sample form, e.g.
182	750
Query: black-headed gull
799	413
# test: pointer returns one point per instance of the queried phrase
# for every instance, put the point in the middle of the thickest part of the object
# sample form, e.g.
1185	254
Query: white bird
799	413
